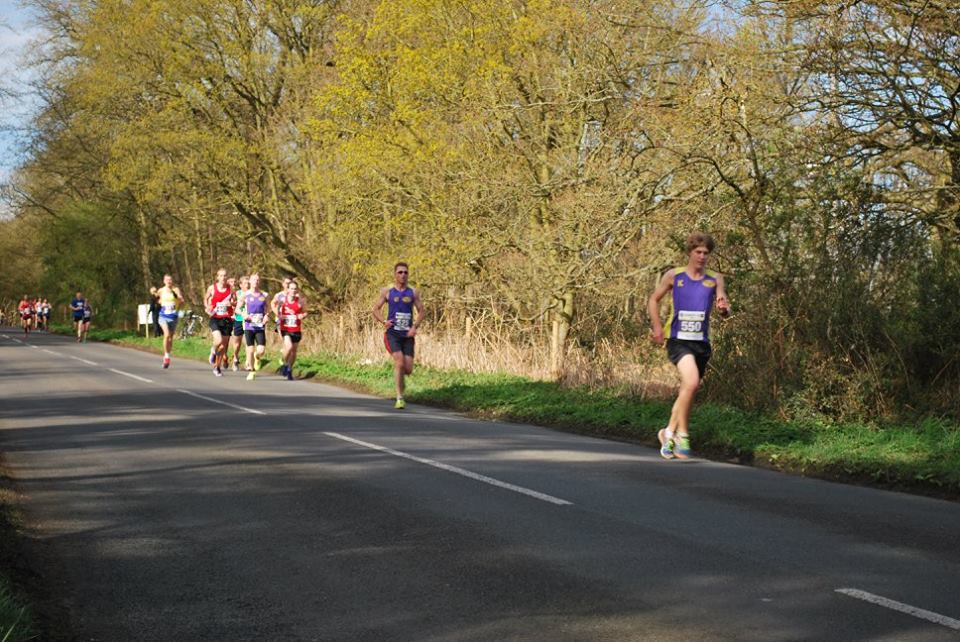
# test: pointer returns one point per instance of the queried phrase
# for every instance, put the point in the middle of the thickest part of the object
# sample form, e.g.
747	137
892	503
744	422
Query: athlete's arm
208	301
379	306
179	295
653	306
275	305
303	309
723	303
418	304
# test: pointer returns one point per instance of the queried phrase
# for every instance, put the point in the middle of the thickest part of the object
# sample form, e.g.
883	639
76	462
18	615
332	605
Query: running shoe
682	447
400	405
236	365
666	445
166	362
251	376
289	373
218	372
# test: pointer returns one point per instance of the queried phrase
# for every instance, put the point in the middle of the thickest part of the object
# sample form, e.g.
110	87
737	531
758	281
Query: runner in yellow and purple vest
695	291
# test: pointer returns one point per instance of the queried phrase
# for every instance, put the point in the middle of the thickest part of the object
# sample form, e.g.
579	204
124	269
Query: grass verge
923	457
16	616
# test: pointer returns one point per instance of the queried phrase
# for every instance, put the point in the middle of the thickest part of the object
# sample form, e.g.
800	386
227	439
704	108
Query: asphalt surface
276	510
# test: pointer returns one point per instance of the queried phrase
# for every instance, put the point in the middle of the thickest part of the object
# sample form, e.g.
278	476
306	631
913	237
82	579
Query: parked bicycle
190	325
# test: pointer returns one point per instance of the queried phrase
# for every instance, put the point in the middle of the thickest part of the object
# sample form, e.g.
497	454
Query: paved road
172	505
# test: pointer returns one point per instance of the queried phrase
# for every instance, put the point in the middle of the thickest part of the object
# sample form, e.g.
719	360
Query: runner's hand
723	306
657	337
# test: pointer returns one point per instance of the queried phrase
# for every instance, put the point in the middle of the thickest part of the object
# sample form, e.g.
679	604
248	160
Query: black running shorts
678	348
237	328
258	337
294	336
396	343
223	326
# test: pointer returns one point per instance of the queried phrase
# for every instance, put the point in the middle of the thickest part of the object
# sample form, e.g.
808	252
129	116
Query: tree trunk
562	319
198	240
144	249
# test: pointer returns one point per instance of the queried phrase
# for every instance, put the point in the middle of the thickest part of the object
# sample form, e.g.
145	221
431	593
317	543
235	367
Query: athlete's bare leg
689	382
248	356
167	338
234	347
401	368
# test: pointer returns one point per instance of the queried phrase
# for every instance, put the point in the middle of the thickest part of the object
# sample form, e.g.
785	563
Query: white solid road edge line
930	616
222	403
453	469
86	361
132	376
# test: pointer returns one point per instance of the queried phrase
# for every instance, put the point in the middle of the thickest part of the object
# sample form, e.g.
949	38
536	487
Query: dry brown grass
482	343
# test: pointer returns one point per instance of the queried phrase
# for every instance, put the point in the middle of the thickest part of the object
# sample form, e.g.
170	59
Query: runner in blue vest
695	289
401	327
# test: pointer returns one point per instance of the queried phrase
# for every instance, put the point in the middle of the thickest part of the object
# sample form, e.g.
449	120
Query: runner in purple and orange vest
695	290
254	325
401	300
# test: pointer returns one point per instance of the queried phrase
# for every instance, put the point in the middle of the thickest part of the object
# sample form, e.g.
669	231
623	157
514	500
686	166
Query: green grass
16	617
922	457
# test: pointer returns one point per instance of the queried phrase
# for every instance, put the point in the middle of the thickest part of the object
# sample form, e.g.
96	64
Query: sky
17	29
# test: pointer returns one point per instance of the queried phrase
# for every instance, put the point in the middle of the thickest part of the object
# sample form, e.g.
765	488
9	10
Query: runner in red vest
291	312
26	314
219	304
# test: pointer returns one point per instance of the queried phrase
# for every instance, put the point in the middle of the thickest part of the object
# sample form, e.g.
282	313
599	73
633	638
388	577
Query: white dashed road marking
929	616
453	469
222	403
132	376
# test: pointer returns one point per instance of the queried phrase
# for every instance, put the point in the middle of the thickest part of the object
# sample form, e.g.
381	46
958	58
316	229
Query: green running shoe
400	405
682	447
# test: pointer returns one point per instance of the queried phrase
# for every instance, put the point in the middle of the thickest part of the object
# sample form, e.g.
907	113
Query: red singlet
289	321
220	302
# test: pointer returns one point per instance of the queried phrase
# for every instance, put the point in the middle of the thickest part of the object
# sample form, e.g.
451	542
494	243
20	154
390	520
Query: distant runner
254	325
76	305
277	300
169	301
25	308
236	340
293	310
45	313
85	321
399	338
695	289
218	303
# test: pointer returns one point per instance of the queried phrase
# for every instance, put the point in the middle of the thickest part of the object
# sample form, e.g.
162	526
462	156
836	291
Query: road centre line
923	614
56	354
454	469
132	376
86	361
222	403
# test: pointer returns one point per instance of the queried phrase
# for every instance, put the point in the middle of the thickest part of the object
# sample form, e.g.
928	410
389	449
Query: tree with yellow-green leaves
515	144
537	161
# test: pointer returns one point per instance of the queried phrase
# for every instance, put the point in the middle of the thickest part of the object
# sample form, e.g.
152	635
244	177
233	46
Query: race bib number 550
691	325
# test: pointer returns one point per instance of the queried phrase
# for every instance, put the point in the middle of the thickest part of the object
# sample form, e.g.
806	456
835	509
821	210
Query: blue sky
17	28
